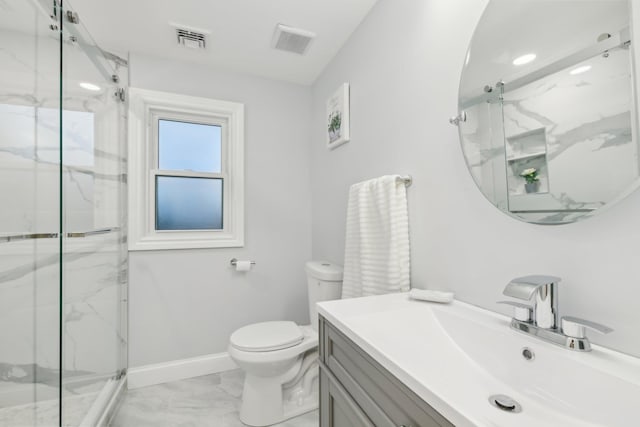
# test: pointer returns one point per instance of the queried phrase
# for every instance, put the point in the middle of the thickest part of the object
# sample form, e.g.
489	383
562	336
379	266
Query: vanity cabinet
355	390
338	408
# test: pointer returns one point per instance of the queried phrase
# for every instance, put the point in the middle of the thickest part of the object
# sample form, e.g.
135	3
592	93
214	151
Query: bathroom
143	334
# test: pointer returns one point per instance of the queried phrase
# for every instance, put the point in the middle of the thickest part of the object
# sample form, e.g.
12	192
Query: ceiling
241	31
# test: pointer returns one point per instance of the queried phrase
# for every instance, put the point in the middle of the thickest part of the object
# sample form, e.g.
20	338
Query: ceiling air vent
292	39
190	37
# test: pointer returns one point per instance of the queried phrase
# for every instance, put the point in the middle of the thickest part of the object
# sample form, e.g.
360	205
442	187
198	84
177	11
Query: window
186	177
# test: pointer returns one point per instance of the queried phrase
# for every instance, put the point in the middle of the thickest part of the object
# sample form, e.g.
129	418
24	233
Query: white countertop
454	356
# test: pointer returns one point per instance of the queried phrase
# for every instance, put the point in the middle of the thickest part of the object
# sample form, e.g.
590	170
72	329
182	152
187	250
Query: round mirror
546	108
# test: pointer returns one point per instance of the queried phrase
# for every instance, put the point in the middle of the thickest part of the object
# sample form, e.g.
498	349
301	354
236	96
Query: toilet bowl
280	358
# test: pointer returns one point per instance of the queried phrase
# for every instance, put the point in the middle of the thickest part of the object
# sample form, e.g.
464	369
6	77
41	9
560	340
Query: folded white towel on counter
377	259
433	296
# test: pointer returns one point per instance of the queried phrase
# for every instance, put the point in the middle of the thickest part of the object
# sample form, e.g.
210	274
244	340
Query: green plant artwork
335	120
338	117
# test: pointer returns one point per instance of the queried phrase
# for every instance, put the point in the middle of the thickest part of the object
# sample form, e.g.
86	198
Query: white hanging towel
376	259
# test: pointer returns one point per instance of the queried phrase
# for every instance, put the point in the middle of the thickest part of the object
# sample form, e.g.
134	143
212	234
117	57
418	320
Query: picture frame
337	125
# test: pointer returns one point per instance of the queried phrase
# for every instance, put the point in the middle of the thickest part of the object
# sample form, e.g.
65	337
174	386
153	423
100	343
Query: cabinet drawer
385	400
338	408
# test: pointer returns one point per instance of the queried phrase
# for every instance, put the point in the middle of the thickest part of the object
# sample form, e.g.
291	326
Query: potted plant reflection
533	182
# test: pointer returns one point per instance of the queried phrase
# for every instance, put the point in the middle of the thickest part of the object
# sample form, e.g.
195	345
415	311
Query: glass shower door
63	259
94	256
485	147
29	215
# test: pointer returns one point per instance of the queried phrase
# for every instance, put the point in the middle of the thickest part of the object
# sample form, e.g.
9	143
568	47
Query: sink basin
456	356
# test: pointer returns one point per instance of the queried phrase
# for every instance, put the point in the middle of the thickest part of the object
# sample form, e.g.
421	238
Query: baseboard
175	370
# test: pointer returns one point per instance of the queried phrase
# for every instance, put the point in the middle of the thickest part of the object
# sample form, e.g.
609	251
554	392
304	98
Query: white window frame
146	107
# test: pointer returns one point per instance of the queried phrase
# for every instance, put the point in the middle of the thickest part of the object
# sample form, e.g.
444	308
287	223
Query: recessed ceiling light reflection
89	86
580	70
524	59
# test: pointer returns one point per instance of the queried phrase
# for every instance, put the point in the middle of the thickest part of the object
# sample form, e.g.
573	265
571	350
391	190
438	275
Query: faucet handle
575	327
524	287
521	312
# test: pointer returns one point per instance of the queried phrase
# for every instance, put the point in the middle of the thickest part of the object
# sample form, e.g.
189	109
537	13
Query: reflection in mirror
548	97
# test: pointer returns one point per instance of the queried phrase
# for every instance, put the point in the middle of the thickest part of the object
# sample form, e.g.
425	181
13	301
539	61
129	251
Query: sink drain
528	354
505	403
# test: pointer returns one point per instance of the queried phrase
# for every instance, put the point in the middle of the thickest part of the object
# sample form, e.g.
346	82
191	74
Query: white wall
186	303
404	64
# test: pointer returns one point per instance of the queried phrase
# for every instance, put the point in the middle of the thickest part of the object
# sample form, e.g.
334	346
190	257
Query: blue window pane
189	146
188	203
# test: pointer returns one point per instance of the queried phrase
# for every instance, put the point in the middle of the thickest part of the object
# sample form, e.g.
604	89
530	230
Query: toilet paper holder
234	261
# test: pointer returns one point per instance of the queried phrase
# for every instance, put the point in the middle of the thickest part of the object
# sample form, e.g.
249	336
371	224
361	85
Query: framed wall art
338	117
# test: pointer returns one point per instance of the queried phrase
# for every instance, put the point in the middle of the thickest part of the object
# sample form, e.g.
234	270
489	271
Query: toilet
280	358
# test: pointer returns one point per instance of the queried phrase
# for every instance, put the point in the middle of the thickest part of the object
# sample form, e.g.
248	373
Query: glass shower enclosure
63	257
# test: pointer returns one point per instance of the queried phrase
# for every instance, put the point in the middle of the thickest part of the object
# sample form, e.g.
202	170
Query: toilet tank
324	281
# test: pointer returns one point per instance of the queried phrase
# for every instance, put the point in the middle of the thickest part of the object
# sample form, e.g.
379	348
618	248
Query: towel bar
234	261
406	179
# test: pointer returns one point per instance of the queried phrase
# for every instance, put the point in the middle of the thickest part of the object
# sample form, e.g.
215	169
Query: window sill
163	242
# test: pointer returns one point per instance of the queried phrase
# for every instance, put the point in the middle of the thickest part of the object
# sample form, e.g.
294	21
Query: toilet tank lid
323	270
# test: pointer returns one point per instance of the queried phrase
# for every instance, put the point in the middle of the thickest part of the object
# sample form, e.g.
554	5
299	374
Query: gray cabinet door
385	400
337	408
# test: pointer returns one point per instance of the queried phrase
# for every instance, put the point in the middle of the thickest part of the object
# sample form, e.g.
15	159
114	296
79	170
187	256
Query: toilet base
265	403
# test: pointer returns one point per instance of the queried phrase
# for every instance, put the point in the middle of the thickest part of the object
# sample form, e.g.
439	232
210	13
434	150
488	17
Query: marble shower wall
29	270
94	265
94	276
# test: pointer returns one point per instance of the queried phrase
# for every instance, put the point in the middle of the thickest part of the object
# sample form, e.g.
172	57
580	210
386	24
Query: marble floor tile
46	413
208	401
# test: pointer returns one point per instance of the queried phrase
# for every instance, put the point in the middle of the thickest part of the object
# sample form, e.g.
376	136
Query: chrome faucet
542	320
545	289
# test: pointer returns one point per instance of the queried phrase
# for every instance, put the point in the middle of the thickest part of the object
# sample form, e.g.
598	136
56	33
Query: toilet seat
267	336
